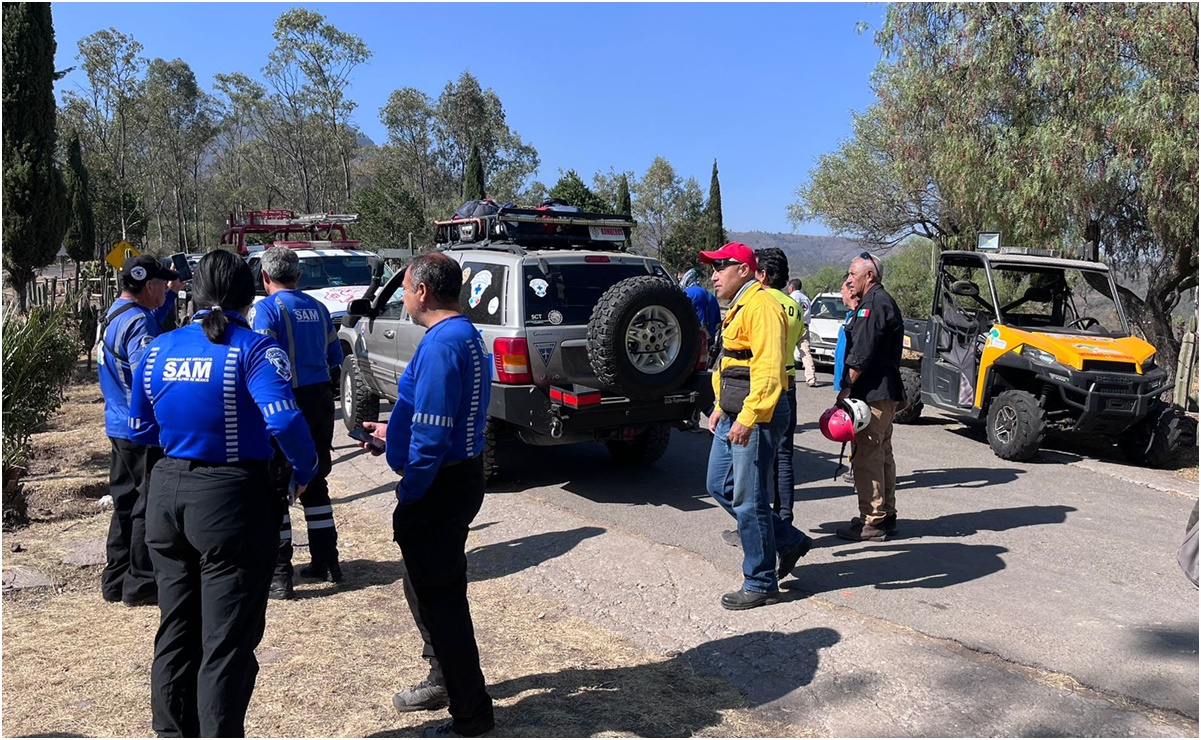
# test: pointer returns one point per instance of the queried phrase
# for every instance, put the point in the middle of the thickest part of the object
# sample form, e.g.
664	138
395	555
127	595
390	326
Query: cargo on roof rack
541	228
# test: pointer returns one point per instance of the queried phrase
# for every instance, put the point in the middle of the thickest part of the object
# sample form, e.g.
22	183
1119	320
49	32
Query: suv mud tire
616	335
645	448
1153	442
359	404
1016	425
911	383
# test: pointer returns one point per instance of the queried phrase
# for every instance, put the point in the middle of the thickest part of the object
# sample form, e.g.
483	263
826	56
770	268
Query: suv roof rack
536	228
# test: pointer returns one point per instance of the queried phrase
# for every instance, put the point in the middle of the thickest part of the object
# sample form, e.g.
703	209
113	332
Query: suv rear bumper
530	407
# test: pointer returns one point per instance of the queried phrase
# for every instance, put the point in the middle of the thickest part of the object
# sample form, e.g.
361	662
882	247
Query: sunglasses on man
719	265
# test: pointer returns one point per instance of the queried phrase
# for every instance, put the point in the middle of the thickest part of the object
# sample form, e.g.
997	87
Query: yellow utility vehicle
1027	343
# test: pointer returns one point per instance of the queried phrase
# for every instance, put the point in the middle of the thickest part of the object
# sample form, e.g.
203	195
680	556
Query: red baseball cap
736	251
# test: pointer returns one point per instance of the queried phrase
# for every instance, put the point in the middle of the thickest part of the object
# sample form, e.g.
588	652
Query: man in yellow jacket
747	424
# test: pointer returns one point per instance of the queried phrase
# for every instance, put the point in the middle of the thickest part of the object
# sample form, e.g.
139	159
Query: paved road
1038	598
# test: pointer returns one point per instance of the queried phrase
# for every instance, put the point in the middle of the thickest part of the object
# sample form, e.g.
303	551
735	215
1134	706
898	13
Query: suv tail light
512	360
702	357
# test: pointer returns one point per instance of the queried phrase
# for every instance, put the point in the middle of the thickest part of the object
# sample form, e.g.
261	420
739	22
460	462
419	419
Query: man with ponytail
302	326
213	394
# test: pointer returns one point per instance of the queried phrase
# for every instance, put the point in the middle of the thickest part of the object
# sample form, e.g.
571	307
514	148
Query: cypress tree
35	206
624	206
80	239
473	176
714	234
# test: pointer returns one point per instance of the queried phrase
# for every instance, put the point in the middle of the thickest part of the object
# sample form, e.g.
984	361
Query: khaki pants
806	357
873	465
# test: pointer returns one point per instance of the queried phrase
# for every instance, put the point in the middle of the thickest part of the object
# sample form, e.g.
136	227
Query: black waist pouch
735	387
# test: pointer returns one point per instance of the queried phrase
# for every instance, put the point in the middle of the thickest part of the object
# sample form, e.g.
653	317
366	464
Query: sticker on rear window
539	286
555	318
493	305
466	274
479	284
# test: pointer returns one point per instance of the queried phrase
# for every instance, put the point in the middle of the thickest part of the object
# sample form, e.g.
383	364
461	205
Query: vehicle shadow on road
501	559
682	696
677	480
898	566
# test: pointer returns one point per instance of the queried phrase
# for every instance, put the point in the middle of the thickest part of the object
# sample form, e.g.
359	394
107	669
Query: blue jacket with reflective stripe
303	327
220	403
129	334
441	405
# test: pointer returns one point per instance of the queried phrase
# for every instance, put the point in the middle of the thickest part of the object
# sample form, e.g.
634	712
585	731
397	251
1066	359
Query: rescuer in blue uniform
131	323
435	437
213	393
302	326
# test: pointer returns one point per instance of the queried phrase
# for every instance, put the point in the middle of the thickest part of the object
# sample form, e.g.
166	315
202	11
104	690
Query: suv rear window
483	295
569	293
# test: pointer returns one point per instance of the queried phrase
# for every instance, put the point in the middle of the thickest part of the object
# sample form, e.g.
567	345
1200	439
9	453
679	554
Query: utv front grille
1109	366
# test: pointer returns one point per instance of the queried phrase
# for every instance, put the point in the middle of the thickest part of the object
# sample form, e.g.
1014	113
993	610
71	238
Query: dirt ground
74	665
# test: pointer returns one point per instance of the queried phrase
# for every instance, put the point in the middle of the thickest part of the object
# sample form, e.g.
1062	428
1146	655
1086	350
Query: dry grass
331	659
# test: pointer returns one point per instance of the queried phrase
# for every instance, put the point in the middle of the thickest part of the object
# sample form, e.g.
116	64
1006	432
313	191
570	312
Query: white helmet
861	413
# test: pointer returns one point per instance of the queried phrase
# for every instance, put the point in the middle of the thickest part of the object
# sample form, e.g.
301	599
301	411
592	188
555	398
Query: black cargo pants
128	573
432	534
316	402
213	535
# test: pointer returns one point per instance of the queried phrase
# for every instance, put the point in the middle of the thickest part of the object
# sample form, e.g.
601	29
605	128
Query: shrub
40	351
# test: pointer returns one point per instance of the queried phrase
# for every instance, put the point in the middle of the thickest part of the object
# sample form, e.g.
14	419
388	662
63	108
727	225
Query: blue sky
763	88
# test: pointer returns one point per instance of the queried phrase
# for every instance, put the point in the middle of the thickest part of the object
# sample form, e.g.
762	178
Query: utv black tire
911	382
1153	442
658	306
359	403
1016	425
645	448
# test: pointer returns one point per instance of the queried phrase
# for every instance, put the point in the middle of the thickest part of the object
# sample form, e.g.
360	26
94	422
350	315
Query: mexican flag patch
864	313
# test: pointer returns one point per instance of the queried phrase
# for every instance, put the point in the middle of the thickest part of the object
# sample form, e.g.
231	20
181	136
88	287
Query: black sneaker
862	533
446	729
731	538
422	697
888	524
281	589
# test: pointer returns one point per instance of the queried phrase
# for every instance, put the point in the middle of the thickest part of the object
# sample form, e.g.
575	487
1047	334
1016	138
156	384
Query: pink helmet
836	424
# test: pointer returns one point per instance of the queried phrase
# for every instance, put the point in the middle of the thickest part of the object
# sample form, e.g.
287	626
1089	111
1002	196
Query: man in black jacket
873	375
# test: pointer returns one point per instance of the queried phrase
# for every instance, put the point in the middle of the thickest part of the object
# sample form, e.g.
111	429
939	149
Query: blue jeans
740	479
785	482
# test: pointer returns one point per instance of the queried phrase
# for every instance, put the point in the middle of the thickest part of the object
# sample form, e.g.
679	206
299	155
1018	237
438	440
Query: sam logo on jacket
197	370
306	314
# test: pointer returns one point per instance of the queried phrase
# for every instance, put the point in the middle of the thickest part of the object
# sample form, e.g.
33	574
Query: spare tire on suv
643	338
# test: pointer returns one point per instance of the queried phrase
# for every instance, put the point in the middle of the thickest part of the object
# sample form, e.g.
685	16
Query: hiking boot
888	524
318	571
314	570
281	589
744	599
849	477
422	697
731	538
447	729
862	533
789	558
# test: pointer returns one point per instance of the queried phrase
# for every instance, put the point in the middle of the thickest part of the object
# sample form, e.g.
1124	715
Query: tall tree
80	236
661	200
572	189
108	115
714	230
1037	120
325	58
623	196
35	208
388	212
473	177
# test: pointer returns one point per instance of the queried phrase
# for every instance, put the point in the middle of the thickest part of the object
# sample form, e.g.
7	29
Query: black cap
137	270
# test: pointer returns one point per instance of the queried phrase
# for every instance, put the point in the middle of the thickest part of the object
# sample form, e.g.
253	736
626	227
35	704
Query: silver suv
589	342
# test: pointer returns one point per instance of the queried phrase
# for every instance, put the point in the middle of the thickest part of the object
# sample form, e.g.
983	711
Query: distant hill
806	254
